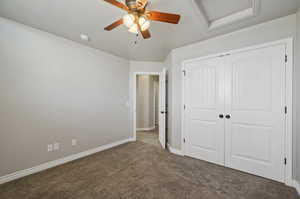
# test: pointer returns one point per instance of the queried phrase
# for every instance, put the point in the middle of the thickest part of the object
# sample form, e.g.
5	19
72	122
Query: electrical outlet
56	146
74	142
50	147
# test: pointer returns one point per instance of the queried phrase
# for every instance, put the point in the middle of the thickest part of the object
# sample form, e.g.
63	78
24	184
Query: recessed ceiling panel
217	9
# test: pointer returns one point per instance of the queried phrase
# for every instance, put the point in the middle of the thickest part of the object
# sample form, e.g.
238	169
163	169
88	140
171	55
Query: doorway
147	96
149	107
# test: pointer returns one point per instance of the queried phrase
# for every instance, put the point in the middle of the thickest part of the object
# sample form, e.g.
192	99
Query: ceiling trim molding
244	14
199	9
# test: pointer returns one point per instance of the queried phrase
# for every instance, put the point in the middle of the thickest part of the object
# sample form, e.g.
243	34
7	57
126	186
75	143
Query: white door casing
204	97
162	108
134	95
257	136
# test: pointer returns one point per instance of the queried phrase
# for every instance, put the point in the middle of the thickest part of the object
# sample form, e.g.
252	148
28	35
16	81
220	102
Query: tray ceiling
214	11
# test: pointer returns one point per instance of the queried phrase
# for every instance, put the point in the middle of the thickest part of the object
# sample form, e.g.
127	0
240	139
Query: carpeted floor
143	171
149	137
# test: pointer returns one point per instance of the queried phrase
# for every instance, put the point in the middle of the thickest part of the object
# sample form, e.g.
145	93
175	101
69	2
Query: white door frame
288	98
135	74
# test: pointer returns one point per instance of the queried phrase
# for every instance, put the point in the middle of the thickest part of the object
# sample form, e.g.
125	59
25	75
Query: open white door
162	108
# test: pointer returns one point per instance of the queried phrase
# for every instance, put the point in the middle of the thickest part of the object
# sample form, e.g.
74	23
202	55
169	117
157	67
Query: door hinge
285	161
184	72
285	110
286	58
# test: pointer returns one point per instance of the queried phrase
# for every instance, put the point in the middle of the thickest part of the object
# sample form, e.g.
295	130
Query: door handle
228	116
163	112
221	116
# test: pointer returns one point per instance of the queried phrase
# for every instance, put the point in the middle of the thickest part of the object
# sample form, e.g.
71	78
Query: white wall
53	90
141	66
297	97
270	31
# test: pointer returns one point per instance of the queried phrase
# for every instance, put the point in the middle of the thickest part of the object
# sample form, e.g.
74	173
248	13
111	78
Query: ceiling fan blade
146	34
163	17
118	4
114	25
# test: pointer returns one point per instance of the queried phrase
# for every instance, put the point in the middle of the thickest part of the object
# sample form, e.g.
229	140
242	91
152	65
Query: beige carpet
149	137
143	171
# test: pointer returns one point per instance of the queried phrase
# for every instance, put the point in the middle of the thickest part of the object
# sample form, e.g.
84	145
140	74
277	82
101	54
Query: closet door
255	101
204	102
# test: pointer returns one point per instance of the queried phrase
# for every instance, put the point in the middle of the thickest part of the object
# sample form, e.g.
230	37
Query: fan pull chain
136	39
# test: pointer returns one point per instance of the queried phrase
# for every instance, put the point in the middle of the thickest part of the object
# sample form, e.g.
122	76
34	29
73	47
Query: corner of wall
296	96
296	185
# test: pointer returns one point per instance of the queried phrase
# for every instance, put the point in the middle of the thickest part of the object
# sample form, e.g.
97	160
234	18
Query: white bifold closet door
255	100
204	98
235	111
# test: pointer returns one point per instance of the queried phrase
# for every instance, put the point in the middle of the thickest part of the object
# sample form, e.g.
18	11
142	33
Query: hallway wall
145	102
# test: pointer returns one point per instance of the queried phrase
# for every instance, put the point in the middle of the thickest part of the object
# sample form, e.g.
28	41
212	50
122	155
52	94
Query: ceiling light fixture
128	20
137	19
134	29
131	21
144	23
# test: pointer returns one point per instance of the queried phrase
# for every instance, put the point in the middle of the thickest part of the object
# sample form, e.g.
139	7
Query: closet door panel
204	98
255	101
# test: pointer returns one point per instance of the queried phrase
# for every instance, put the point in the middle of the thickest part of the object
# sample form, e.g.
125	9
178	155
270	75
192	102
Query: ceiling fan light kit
131	21
138	17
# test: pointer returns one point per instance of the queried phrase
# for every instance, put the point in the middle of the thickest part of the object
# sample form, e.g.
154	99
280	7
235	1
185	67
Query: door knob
228	116
221	116
163	112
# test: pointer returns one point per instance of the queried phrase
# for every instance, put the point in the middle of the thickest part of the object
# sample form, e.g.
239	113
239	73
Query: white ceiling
69	19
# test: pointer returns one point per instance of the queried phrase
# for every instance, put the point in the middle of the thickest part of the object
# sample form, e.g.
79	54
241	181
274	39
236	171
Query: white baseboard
174	151
54	163
296	185
132	139
145	129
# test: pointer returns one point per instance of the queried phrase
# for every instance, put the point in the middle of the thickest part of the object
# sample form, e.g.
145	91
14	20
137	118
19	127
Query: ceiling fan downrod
131	4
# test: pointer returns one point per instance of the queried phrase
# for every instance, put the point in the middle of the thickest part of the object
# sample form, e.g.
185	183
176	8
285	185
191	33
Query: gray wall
270	31
53	90
297	97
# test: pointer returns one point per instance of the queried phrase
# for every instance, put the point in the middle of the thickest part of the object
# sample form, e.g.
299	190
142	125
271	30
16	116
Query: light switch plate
50	147
56	146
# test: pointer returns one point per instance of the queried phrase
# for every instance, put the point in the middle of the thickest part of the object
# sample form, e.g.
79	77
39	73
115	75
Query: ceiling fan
138	17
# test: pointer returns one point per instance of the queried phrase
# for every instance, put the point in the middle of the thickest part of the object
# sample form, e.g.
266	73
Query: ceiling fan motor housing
131	4
135	5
